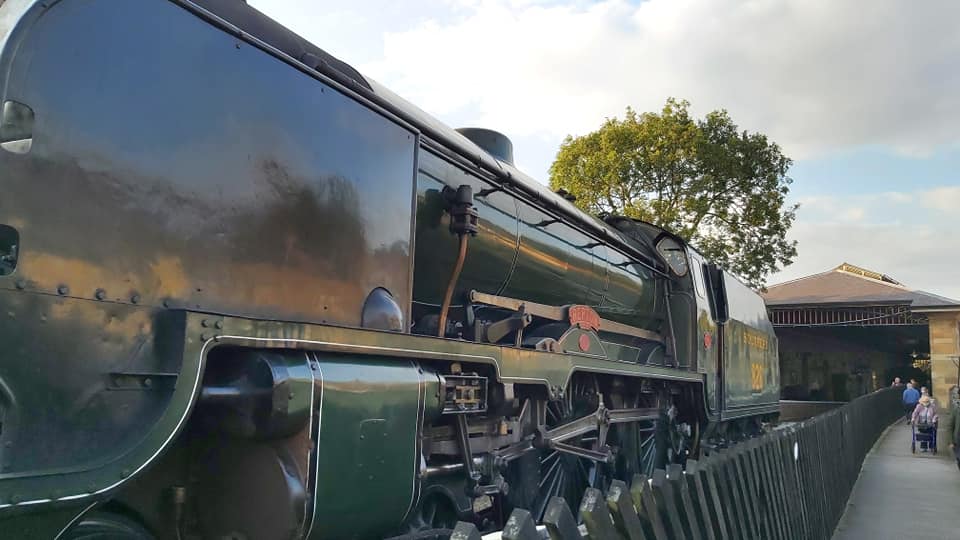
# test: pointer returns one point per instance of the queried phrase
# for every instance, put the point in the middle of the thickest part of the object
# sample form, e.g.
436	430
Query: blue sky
864	96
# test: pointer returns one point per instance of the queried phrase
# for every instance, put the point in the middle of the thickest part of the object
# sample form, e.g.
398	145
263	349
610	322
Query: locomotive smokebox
495	143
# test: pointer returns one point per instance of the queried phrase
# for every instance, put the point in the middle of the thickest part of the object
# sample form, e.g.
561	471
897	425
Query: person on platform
953	427
910	399
925	412
896	382
925	418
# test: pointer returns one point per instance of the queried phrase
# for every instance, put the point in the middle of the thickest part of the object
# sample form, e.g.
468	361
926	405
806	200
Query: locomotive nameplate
584	317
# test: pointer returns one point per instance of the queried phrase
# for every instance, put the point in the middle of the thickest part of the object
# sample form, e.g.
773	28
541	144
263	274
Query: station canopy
849	295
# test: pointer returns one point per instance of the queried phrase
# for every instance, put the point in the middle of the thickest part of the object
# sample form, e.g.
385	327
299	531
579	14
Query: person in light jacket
925	418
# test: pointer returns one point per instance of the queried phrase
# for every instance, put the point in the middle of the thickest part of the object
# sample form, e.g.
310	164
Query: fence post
561	525
465	531
688	514
520	526
694	478
642	494
596	516
663	493
736	519
710	471
738	481
624	514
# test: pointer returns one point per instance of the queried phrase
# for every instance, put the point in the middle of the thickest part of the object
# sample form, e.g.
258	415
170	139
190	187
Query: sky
863	95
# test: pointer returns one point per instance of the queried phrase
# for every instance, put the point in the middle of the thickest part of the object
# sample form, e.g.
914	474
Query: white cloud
944	199
816	75
886	237
897	197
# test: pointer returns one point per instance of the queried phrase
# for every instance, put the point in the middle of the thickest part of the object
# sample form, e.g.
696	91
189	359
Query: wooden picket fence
789	484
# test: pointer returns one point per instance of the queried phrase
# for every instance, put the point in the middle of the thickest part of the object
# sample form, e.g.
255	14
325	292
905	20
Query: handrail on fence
790	483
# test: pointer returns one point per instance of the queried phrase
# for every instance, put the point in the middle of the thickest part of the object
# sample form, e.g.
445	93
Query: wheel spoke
553	488
551	472
584	471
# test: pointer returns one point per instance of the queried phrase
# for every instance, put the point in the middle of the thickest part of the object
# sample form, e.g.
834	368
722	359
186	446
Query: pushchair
924	433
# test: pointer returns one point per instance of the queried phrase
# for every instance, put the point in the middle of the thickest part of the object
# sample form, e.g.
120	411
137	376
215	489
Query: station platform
900	495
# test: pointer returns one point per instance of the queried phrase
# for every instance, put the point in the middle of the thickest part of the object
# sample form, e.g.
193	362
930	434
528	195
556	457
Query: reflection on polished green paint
751	371
368	453
491	253
707	351
633	295
524	252
103	435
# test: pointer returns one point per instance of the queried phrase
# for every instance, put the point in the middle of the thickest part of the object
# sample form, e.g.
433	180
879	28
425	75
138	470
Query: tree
721	189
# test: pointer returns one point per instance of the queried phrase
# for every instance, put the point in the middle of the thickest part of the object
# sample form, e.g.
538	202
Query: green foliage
721	189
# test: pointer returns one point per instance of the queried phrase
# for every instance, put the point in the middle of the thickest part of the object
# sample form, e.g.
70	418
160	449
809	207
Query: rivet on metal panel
63	290
21	284
100	294
218	325
204	337
135	298
205	323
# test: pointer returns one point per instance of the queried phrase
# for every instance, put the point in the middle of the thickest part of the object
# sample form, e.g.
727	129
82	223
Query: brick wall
944	354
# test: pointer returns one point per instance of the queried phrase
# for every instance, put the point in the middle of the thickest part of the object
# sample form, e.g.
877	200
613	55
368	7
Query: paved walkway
902	495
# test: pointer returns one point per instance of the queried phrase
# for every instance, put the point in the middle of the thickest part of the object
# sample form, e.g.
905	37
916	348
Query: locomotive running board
561	313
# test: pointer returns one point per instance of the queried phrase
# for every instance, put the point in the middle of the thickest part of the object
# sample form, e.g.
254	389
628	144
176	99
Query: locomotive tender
248	293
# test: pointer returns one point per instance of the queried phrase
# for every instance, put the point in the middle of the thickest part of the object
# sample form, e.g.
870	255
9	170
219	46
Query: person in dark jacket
910	398
953	428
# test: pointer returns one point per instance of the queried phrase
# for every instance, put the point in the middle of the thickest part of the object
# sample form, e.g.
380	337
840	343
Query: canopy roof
850	285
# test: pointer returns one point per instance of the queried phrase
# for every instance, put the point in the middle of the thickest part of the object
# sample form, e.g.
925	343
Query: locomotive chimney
495	143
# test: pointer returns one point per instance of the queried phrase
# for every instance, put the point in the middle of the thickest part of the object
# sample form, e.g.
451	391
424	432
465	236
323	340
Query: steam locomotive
249	293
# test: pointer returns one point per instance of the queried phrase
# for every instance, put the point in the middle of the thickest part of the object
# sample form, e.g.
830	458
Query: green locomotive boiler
248	293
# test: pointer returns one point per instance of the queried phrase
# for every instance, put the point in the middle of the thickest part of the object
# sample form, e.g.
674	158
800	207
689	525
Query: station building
850	330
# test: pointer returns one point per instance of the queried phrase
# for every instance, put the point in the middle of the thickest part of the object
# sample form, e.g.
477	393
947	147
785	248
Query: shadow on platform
904	495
